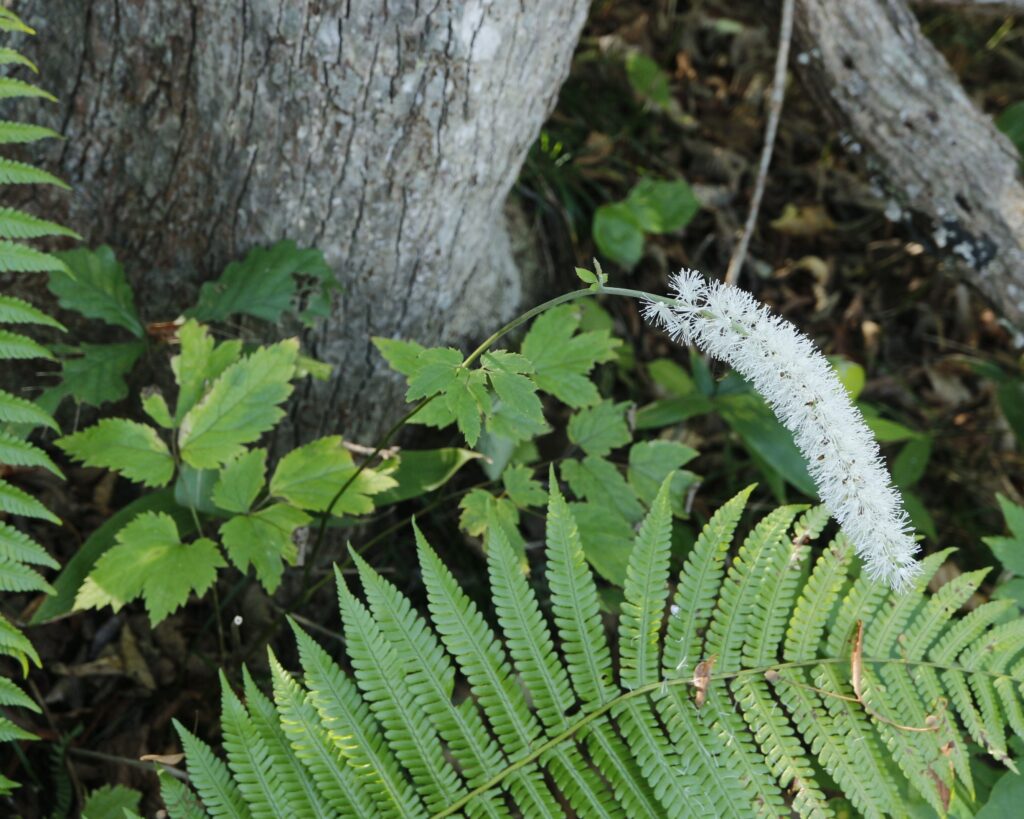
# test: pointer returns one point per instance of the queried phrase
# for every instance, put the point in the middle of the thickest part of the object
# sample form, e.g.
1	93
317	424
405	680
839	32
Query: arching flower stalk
805	393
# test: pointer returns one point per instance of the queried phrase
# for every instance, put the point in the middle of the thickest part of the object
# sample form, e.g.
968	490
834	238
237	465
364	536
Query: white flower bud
808	398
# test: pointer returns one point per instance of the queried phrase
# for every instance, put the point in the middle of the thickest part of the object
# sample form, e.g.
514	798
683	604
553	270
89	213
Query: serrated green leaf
435	372
599	429
77	569
600	482
242	404
15	501
522	488
17	311
133	449
402	356
479	508
519	414
199	362
95	374
1009	550
149	561
309	477
651	461
466	398
504	361
562	359
262	285
111	802
1013	514
156	408
241	481
507	422
264	539
97	288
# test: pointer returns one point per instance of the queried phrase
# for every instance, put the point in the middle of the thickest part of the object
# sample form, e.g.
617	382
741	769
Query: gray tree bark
988	6
943	159
387	133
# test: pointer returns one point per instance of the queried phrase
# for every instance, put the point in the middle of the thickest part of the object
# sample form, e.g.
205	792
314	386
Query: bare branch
987	6
776	100
948	167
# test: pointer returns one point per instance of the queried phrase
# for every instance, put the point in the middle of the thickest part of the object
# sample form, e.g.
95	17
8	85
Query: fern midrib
650	688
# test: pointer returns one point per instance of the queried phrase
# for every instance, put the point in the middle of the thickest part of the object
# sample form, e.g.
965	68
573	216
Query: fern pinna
19	553
758	686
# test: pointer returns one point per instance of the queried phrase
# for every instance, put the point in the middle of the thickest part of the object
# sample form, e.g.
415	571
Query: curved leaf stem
518	321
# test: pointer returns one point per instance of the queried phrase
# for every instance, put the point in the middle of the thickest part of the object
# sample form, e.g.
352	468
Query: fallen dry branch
989	6
775	101
942	158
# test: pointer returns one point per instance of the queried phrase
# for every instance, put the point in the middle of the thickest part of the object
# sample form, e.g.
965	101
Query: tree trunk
387	133
943	159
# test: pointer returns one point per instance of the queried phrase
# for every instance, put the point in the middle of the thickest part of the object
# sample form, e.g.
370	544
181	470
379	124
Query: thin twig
85	753
776	99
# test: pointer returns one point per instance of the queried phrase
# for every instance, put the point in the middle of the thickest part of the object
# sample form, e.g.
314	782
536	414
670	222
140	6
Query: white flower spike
808	398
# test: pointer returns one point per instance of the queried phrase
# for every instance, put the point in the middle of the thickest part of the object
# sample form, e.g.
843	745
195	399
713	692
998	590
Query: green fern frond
15	451
211	778
180	800
431	680
15	224
298	788
16	346
16	311
11	88
8	56
15	258
12	133
20	555
359	767
379	674
16	410
13	172
769	687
